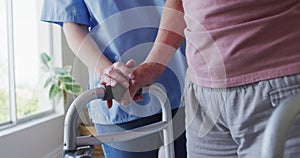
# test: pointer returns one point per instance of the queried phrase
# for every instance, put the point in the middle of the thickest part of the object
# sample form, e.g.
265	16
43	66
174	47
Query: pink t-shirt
231	43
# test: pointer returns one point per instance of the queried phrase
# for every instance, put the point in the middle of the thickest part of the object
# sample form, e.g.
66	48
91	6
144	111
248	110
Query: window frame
54	43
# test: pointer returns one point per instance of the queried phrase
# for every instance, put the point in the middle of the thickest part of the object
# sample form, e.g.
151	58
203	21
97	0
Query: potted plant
59	80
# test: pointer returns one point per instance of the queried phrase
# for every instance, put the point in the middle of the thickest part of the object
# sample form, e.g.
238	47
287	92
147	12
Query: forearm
170	34
85	48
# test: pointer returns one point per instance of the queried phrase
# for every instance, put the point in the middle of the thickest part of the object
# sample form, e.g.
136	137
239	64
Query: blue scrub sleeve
59	11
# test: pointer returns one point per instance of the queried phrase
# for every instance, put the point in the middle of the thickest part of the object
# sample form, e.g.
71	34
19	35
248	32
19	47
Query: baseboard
57	153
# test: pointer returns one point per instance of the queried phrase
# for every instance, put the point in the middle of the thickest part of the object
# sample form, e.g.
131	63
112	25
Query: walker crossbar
122	136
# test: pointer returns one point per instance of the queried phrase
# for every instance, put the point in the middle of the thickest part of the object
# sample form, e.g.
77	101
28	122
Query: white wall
42	138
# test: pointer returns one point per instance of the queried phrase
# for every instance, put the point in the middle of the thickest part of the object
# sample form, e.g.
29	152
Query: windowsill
23	126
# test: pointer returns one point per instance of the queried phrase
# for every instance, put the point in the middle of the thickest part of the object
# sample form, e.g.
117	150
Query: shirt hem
245	79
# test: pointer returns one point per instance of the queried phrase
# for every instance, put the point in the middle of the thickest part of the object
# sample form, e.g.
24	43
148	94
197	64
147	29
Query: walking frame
83	146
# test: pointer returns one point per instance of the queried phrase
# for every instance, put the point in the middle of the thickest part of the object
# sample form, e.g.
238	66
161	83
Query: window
23	38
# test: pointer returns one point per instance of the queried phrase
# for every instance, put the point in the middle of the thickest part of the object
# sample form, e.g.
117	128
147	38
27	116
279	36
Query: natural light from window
27	67
21	89
4	86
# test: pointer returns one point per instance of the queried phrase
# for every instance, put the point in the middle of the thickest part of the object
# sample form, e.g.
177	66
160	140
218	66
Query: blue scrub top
123	30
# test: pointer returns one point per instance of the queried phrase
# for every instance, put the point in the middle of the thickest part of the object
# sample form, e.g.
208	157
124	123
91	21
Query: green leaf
48	81
45	59
59	71
66	79
53	91
73	88
60	79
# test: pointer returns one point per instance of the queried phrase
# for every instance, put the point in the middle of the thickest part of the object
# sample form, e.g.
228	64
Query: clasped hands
131	77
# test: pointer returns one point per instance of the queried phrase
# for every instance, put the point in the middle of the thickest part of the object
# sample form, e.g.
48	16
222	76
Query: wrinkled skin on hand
144	75
136	78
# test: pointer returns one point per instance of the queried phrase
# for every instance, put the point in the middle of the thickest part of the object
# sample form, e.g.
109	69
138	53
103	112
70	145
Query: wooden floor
98	156
98	152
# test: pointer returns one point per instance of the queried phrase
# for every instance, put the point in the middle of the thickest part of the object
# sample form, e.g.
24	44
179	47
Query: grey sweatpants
230	122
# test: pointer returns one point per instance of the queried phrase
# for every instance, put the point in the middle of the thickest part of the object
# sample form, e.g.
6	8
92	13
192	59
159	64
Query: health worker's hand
119	73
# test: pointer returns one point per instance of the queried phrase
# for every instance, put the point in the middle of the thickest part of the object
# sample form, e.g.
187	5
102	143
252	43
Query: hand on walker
134	78
120	73
144	75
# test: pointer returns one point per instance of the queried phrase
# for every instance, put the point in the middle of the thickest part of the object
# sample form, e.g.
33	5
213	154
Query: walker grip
116	92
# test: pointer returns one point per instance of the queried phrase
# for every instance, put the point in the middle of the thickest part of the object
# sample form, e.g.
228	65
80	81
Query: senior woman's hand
144	75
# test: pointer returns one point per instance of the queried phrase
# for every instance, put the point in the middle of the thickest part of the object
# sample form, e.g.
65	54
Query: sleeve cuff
69	11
